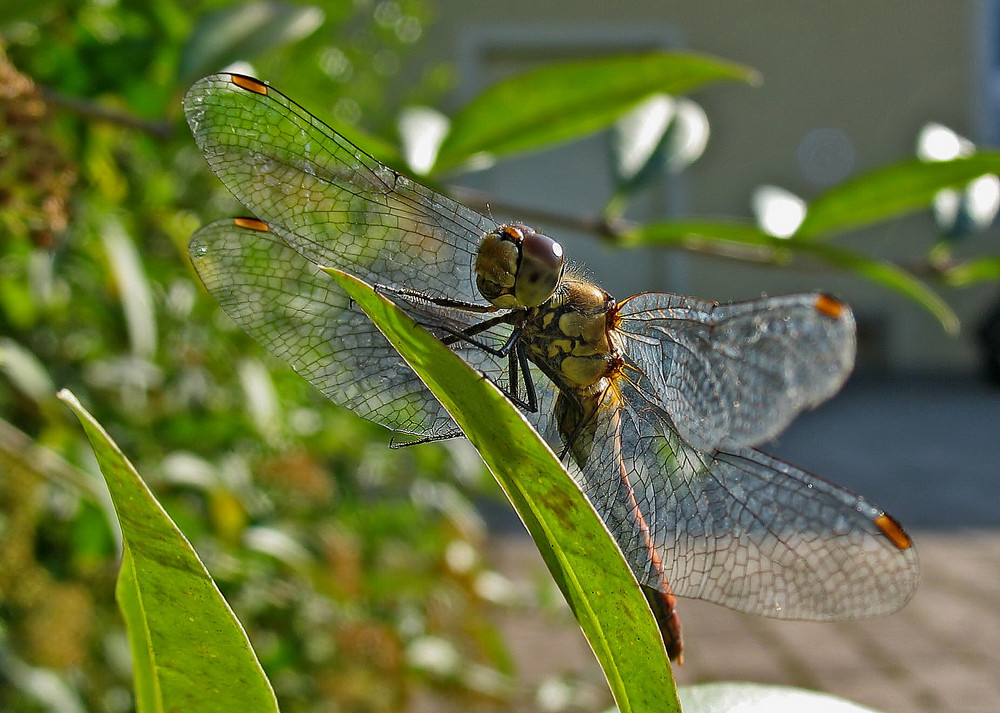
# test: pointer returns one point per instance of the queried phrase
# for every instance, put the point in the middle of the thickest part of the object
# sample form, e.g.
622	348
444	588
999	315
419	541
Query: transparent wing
735	375
327	199
738	528
301	316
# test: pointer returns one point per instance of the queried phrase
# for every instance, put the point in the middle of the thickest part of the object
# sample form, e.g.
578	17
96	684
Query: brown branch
161	130
614	231
608	229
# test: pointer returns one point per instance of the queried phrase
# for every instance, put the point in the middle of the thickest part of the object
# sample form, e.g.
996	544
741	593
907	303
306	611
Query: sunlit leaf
890	192
727	697
743	240
558	102
421	131
580	553
25	371
133	287
243	31
971	272
778	212
892	276
189	652
736	237
638	137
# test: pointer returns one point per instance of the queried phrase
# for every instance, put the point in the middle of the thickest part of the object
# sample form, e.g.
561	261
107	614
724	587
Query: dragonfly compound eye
496	266
517	267
540	270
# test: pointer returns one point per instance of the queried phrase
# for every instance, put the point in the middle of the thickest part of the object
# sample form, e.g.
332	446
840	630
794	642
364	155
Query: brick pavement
939	654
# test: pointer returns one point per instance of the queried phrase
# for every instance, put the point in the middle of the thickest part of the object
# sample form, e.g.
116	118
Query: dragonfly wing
739	528
735	375
301	315
326	198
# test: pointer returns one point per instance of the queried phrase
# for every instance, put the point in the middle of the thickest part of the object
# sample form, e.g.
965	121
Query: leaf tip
952	325
69	398
331	271
753	77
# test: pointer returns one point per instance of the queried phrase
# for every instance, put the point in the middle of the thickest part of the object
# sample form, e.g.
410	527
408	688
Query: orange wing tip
251	224
892	529
830	307
250	84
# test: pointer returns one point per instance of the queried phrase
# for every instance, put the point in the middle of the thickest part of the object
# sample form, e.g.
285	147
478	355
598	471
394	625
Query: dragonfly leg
395	445
519	358
466	335
416	296
512	349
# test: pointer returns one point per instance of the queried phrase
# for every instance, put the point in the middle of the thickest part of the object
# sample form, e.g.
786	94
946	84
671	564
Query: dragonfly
656	403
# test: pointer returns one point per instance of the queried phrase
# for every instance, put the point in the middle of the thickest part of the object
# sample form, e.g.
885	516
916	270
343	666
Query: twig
608	229
614	231
161	130
19	453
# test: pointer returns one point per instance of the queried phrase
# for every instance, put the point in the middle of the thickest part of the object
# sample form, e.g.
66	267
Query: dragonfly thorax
517	267
569	337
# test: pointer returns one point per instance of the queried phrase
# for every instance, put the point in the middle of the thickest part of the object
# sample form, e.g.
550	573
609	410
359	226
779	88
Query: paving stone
941	654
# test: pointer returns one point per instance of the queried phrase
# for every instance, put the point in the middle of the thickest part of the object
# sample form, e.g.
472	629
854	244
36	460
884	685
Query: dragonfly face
658	401
517	267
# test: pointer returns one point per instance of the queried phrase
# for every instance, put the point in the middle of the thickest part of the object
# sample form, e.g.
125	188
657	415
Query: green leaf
243	31
892	276
890	192
742	239
567	100
704	235
725	697
25	371
14	10
189	652
579	551
971	272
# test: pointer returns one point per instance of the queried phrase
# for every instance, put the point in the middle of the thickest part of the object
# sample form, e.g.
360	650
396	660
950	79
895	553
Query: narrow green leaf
738	238
972	272
147	689
580	553
25	371
697	234
892	276
243	31
567	100
890	192
189	652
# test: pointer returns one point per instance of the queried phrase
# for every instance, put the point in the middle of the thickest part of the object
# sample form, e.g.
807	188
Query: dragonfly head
517	267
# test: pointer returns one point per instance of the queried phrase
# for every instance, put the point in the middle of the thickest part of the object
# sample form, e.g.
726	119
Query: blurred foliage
338	557
353	570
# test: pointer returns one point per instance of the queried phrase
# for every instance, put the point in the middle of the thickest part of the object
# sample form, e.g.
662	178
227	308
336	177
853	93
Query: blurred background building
847	88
